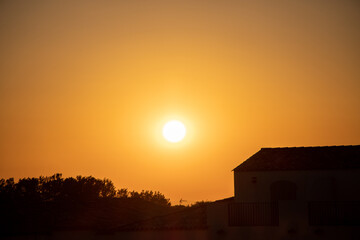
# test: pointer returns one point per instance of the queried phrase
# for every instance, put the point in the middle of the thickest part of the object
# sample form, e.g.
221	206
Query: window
254	214
283	190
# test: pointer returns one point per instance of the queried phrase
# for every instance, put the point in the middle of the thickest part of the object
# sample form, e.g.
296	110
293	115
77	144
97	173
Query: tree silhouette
52	202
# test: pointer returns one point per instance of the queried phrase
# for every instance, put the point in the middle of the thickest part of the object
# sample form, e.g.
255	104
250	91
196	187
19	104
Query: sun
174	131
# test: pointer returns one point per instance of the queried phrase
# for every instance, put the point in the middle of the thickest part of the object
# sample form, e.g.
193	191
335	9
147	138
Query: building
292	193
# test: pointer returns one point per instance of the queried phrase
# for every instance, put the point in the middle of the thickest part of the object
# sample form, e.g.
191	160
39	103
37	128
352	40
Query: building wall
334	185
217	216
255	187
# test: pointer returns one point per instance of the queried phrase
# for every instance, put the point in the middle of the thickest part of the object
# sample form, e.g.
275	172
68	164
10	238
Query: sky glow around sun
90	94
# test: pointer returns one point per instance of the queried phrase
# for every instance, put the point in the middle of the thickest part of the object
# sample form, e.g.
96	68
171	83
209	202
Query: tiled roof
303	158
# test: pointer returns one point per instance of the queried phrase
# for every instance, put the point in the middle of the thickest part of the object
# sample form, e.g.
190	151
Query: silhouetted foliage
80	188
56	187
47	203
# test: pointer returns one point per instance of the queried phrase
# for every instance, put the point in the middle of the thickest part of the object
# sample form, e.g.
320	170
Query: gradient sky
85	87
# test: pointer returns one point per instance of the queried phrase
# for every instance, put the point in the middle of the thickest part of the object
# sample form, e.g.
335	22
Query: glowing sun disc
174	131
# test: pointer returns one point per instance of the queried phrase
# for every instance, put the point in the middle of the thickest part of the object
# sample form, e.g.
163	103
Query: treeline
80	188
46	204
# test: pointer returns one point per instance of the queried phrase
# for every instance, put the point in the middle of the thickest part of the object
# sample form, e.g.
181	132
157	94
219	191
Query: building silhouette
292	193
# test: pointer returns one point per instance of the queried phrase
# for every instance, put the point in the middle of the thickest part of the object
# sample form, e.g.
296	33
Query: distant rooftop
303	158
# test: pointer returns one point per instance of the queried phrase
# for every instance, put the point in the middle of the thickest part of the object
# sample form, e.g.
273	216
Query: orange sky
85	87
